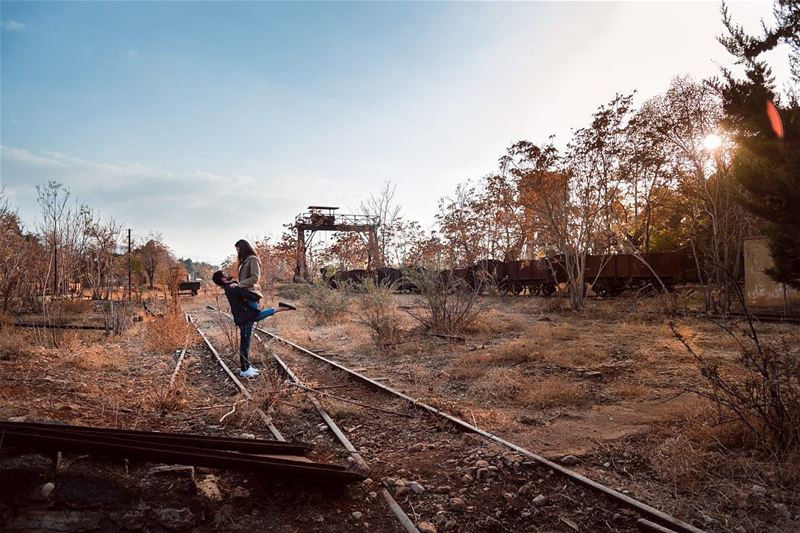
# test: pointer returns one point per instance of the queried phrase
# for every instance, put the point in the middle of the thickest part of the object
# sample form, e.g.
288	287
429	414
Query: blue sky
211	121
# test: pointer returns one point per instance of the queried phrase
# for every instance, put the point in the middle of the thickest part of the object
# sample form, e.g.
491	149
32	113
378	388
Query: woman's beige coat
249	274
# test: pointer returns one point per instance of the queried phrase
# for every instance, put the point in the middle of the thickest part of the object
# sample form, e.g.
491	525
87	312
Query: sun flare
712	141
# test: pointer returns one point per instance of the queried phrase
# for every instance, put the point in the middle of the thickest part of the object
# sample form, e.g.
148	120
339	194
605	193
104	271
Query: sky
209	122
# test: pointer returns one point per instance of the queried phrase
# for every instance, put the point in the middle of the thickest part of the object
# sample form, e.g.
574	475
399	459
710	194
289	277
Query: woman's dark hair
244	250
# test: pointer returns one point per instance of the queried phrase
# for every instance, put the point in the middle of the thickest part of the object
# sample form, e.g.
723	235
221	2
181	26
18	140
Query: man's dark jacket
238	298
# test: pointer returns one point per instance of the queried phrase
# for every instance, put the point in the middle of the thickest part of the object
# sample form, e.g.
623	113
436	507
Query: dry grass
378	312
324	303
504	384
72	307
163	399
165	334
492	322
629	391
555	391
96	356
15	344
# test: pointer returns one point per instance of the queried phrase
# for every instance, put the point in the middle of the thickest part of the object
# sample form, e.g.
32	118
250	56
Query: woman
249	275
249	268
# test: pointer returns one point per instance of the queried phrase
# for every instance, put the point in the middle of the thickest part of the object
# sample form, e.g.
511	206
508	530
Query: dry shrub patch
555	391
97	356
491	322
759	390
324	303
719	469
164	398
15	344
500	384
378	312
629	391
165	334
450	305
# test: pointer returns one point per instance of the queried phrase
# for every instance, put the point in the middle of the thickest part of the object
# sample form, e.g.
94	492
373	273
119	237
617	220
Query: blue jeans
246	333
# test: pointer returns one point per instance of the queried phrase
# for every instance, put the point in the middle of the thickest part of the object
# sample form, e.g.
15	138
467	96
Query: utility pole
129	264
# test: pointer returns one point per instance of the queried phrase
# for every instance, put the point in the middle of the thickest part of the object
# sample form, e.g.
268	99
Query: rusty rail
359	461
264	416
58	438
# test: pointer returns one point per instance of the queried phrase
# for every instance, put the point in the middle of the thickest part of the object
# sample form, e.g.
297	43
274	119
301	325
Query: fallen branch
229	413
455	338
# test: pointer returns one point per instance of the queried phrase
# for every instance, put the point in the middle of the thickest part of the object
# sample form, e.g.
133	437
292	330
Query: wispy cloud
200	213
13	25
132	53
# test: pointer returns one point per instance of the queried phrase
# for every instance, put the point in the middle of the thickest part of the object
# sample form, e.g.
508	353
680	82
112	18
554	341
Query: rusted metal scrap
280	460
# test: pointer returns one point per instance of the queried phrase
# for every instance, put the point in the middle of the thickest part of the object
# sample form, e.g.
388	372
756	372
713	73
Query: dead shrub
450	303
326	304
165	398
165	334
628	391
73	307
378	312
491	322
94	356
267	391
554	391
500	384
14	344
230	331
759	390
117	316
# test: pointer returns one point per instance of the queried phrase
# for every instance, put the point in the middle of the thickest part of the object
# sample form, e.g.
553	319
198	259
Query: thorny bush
450	303
165	334
325	304
761	392
378	312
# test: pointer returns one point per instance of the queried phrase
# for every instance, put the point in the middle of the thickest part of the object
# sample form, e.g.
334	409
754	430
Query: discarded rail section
650	512
279	460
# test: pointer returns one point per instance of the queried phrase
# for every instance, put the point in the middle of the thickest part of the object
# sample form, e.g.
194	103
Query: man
244	308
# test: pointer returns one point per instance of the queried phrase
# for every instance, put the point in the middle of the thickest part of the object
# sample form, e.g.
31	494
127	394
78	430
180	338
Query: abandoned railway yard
548	280
606	395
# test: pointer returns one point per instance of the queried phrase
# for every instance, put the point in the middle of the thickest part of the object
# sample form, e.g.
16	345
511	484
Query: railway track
449	437
357	464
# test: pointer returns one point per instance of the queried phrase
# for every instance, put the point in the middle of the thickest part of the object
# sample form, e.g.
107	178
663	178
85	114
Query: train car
533	275
345	277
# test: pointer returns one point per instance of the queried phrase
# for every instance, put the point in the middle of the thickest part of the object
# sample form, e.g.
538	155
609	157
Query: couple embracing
243	296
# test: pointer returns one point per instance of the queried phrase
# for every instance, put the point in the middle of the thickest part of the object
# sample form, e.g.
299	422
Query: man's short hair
219	277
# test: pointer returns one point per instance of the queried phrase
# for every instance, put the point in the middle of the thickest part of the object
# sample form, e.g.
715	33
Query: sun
712	141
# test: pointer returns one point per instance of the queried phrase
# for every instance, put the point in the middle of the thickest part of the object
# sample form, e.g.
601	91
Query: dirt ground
608	388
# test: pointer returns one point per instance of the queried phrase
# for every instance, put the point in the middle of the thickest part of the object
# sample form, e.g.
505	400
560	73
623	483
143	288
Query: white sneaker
249	373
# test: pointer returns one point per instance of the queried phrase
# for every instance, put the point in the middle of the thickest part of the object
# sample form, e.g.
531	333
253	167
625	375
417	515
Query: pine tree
767	160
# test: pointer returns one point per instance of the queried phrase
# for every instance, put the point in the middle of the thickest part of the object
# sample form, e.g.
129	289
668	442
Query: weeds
760	391
554	391
14	344
325	304
378	313
166	398
450	303
165	334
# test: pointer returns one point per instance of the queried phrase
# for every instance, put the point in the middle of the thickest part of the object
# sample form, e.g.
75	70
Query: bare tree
53	199
384	206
